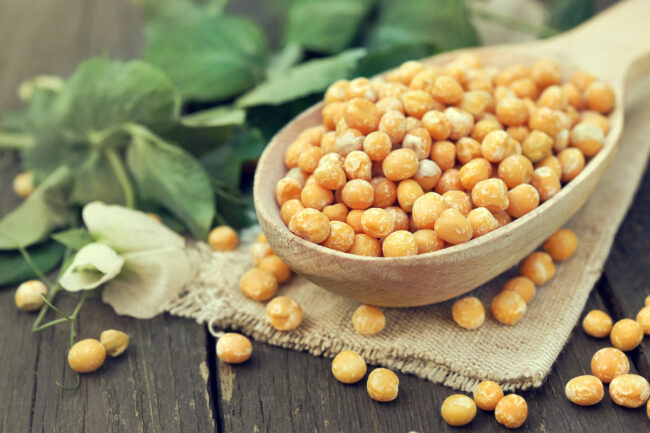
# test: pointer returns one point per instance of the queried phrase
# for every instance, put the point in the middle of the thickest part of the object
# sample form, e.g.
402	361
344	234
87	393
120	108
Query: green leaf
168	175
391	56
307	78
282	61
15	270
326	26
269	119
443	23
224	164
235	210
565	14
75	239
43	211
96	180
213	59
218	116
160	15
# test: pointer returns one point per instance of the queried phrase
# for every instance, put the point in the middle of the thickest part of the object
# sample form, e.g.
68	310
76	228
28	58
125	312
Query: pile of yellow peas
610	365
428	157
509	306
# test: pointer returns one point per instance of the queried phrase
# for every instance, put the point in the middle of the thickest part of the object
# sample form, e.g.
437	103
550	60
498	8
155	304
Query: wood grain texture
435	277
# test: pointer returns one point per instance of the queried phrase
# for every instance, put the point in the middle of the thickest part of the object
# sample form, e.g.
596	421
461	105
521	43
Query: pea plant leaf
160	15
75	239
43	211
302	80
14	269
170	176
326	26
218	116
567	14
213	59
442	23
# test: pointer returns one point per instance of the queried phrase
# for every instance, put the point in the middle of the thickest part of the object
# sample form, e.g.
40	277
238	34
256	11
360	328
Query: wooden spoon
614	46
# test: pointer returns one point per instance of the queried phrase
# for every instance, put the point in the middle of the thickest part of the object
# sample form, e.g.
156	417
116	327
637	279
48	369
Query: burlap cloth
425	341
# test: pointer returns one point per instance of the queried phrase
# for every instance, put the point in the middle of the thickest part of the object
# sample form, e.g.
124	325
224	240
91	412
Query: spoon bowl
444	274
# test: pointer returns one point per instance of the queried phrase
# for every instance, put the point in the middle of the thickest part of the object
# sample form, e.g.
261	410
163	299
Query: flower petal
126	230
150	279
93	265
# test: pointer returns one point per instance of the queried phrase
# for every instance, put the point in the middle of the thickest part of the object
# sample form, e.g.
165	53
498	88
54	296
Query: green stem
34	268
51	305
122	177
15	141
48	324
73	334
538	30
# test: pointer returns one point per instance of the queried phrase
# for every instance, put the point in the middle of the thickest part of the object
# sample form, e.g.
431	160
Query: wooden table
170	379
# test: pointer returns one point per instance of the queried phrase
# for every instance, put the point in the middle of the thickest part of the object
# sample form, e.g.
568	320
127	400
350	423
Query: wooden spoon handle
614	45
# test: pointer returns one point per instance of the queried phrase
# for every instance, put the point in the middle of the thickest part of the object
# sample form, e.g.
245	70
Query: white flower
142	262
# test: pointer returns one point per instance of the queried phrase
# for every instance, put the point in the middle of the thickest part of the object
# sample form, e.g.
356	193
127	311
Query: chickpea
365	245
330	174
453	227
284	313
86	356
341	236
393	124
24	184
274	265
259	251
377	222
561	141
609	363
626	334
287	189
487	394
427	209
28	295
400	243
383	385
348	367
336	91
297	174
437	124
523	199
584	390
515	170
468	312
546	73
294	151
447	90
419	141
361	114
482	221
467	149
554	98
406	72
417	102
360	88
328	142
588	138
400	217
538	267
336	212
629	390
457	71
427	176
424	80
597	323
389	103
597	119
400	164
388	89
368	320
458	200
643	318
408	191
443	153
491	194
289	209
354	220
546	120
428	241
537	146
483	127
582	79
518	133
413	123
553	163
310	224
511	411
561	245
461	122
502	218
522	285
600	97
315	196
308	160
449	181
475	171
348	140
358	194
546	183
377	145
508	307
510	74
258	284
234	348
357	165
524	88
512	111
458	410
114	342
476	102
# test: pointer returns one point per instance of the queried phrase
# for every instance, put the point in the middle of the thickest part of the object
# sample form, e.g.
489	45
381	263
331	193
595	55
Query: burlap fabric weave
425	341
